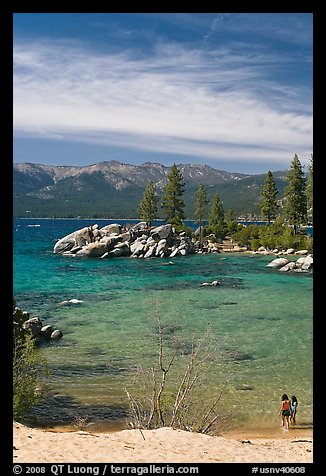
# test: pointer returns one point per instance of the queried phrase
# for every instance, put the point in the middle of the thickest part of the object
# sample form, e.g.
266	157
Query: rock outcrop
114	241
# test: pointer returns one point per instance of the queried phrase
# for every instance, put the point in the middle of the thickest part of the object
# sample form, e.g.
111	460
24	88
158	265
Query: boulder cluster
115	240
33	326
302	264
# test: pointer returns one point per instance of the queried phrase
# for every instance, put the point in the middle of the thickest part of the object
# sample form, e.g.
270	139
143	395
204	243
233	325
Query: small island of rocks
114	240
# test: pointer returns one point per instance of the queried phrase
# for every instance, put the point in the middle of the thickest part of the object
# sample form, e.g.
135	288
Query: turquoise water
259	323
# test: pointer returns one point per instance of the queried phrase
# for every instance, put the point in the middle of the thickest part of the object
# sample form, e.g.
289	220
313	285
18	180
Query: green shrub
29	368
180	228
246	234
276	235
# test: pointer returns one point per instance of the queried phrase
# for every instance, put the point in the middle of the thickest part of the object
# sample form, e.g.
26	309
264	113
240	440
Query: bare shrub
81	422
172	392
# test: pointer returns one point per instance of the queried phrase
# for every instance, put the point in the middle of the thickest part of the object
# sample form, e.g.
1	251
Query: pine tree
295	194
172	198
309	191
216	220
231	221
148	206
269	205
200	209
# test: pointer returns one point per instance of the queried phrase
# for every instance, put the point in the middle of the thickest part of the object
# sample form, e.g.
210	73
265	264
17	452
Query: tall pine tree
269	205
200	210
309	191
148	206
216	220
295	194
172	202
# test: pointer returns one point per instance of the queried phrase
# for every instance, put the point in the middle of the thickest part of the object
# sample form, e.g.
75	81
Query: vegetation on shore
29	367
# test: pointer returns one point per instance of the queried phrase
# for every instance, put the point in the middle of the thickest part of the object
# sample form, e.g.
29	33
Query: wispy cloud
219	103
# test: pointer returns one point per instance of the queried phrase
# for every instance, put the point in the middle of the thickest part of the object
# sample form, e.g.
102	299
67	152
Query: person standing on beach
285	411
294	407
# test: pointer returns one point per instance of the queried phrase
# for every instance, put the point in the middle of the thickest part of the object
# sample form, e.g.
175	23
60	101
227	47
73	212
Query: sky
233	91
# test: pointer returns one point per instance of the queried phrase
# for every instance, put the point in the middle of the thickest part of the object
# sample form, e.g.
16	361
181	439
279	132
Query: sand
164	445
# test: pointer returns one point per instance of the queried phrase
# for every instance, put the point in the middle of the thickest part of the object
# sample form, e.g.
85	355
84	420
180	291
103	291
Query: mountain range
114	189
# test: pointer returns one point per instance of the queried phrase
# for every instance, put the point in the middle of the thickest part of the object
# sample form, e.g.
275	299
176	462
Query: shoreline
249	430
163	445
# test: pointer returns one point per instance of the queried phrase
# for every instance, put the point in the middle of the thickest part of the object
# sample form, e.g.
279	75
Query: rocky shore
34	327
287	260
140	241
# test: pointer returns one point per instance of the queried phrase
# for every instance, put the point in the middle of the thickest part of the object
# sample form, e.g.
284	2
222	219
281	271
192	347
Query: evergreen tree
269	205
172	198
200	209
295	194
309	191
231	221
148	206
216	220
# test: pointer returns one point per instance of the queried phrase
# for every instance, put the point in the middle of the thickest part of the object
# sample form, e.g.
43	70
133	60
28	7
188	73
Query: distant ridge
112	189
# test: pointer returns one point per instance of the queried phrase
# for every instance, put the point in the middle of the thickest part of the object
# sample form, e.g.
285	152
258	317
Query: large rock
124	237
33	325
111	229
139	228
150	252
174	253
308	263
121	249
162	247
77	238
93	249
305	263
162	232
289	251
278	262
137	248
46	332
288	267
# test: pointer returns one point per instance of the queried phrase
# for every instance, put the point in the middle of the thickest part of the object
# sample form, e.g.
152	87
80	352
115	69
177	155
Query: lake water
259	321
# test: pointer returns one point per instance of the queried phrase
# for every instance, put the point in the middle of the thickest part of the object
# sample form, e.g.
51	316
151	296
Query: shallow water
259	323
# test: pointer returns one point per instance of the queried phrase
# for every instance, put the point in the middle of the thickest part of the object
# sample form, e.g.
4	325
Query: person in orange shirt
285	411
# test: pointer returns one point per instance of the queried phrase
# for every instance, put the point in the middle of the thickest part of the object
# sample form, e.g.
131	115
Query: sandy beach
164	445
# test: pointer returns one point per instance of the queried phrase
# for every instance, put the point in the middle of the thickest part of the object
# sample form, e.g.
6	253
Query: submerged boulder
46	332
56	334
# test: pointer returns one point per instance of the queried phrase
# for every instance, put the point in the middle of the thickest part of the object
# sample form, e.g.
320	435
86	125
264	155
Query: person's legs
287	423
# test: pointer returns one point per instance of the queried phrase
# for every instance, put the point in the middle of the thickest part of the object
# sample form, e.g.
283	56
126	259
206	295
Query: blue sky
233	91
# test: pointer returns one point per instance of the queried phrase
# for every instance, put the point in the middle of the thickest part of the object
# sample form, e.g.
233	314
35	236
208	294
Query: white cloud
179	101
